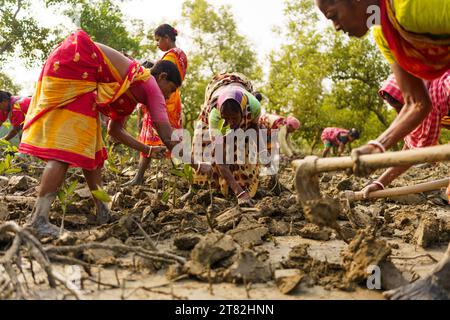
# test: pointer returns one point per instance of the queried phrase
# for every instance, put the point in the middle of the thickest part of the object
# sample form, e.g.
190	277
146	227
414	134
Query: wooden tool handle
402	191
385	160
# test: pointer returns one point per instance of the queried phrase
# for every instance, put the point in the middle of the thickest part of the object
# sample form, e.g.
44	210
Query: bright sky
255	19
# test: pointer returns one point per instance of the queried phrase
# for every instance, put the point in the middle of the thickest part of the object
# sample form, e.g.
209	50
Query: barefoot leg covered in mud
52	179
38	222
139	177
436	286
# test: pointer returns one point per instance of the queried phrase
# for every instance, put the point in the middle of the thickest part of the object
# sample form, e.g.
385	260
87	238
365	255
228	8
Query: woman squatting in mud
417	46
229	108
15	109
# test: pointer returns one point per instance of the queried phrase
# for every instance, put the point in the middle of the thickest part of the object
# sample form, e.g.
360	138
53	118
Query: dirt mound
323	273
365	250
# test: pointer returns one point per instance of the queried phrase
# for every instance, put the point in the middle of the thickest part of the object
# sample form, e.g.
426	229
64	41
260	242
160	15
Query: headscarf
232	94
293	122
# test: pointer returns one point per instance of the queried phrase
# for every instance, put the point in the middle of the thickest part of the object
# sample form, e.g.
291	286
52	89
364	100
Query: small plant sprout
6	160
65	196
111	162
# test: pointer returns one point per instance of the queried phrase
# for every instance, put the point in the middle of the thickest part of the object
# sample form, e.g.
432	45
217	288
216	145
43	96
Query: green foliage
185	172
7	84
104	21
66	197
112	160
7	165
101	195
7	147
326	79
20	33
66	193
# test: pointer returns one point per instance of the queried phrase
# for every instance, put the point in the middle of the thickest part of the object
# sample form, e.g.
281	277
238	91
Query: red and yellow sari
77	82
424	55
148	134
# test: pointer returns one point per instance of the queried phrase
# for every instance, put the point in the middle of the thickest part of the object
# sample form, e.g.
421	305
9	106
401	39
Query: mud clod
249	232
312	231
428	231
248	269
288	279
364	251
186	241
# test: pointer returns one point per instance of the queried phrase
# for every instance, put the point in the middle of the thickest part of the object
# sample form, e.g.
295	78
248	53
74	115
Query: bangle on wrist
242	193
149	154
377	144
378	183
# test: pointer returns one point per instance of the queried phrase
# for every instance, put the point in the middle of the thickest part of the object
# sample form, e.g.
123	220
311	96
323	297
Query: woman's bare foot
103	213
38	222
136	181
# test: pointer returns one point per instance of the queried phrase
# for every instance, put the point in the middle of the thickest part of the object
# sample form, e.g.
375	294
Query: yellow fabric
418	16
172	57
105	91
66	130
380	40
52	92
16	106
423	16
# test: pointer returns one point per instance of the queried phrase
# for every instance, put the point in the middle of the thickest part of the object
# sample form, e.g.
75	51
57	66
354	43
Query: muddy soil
276	250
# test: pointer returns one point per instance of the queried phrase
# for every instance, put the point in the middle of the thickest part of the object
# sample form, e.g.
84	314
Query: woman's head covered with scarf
231	104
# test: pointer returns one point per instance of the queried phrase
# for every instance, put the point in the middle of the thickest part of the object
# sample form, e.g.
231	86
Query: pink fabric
331	135
18	114
390	86
271	121
293	122
155	103
427	133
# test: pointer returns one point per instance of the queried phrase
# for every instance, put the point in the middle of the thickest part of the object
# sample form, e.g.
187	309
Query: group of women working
82	78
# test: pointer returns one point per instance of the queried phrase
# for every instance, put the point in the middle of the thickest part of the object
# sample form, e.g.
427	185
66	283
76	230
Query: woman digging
417	46
426	134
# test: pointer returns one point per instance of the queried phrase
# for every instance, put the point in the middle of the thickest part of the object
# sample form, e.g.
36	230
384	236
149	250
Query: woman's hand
204	168
245	201
157	152
364	150
369	189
